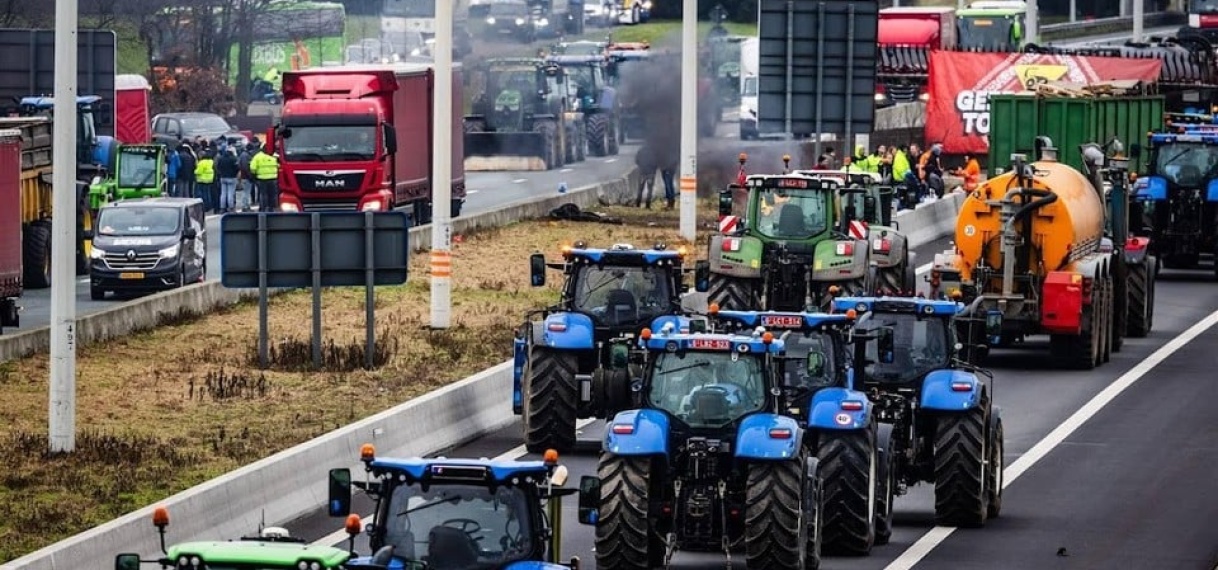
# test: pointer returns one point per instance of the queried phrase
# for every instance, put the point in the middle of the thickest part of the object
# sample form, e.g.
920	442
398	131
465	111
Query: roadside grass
164	410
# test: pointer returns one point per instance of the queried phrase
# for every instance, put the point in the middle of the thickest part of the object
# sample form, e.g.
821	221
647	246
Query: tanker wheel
1106	317
1081	349
733	293
1140	297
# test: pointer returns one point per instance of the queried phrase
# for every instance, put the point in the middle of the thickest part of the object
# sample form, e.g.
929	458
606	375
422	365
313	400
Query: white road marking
610	160
520	180
512	454
468	192
566	170
924	268
937	535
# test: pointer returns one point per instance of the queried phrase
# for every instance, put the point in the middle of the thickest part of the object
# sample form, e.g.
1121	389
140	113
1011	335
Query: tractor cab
139	172
921	337
515	90
272	548
456	513
587	77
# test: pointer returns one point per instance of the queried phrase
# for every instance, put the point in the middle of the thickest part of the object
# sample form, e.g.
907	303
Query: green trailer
139	172
1016	121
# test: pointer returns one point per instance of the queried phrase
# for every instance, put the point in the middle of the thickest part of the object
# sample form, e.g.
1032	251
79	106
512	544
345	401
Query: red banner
958	114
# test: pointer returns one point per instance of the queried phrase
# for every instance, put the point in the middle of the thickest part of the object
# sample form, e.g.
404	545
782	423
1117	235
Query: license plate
130	275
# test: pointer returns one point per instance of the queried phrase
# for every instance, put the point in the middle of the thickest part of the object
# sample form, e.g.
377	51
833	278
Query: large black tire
960	453
1141	291
995	478
612	147
775	536
551	155
891	280
849	464
36	255
887	481
84	222
96	293
581	143
1083	348
551	400
1105	315
597	125
624	537
732	293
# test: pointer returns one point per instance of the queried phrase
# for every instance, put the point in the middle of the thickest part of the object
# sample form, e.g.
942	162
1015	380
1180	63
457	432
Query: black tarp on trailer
28	69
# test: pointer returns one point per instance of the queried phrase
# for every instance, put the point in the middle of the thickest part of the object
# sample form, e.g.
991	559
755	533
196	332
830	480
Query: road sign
817	67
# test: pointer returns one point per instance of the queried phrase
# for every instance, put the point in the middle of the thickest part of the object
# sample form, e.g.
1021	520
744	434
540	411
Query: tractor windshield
1187	164
624	295
585	78
510	87
810	360
920	345
792	214
326	143
461	527
707	389
137	169
987	32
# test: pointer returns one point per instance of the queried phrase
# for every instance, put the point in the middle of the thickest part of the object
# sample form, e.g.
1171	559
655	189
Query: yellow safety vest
205	171
264	166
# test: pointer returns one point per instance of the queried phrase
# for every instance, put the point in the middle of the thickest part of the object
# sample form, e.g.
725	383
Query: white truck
750	60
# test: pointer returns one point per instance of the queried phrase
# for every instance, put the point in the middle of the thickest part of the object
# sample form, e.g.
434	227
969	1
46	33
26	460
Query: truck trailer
11	282
339	135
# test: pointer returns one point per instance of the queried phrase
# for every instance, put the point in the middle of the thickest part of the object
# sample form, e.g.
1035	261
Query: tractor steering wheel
468	526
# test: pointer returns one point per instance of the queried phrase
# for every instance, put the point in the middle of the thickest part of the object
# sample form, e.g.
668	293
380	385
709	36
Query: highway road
487	191
1114	38
1106	468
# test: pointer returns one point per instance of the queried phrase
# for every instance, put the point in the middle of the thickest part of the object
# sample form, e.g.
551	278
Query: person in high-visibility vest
205	179
971	173
266	175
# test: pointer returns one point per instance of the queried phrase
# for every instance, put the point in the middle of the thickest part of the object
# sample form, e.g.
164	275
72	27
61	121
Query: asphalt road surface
487	191
1107	468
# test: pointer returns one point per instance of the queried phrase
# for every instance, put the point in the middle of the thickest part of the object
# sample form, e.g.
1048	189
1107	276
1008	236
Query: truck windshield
409	8
985	32
137	170
129	221
707	389
460	527
805	374
750	86
1203	6
1187	164
318	144
921	346
792	214
622	296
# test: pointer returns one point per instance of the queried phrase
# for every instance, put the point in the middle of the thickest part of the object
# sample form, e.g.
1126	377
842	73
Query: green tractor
794	249
592	94
139	172
521	119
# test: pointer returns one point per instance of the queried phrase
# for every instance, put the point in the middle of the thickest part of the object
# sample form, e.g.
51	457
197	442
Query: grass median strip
167	409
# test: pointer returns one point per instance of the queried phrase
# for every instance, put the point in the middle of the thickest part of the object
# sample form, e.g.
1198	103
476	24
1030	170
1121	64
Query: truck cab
146	245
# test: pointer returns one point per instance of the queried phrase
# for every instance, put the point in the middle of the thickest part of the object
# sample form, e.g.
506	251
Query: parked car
146	245
174	128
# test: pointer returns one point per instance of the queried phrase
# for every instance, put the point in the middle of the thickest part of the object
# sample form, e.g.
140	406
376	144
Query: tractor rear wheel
775	534
892	280
36	255
733	293
552	400
598	133
887	481
850	464
1141	292
624	537
960	478
550	153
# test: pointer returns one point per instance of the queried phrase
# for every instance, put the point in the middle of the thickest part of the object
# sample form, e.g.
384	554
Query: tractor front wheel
775	534
850	465
624	537
552	400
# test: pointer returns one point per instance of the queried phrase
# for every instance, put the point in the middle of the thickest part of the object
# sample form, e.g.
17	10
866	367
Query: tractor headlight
519	21
490	21
97	253
171	251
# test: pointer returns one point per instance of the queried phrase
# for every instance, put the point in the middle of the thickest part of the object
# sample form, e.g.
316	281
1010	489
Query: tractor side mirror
726	197
537	270
589	499
702	276
340	492
993	326
1135	151
885	345
285	133
127	561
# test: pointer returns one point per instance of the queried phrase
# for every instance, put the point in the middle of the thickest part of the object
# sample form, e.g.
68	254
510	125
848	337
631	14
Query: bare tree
26	13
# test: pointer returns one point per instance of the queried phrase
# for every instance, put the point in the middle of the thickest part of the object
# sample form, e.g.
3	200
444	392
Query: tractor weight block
504	151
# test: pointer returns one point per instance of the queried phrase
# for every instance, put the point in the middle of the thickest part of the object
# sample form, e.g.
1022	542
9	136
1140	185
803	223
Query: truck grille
345	181
331	205
141	261
902	93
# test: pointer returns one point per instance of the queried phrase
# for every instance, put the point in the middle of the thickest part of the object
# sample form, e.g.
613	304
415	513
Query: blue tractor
594	96
575	359
709	461
820	390
945	427
457	513
1176	203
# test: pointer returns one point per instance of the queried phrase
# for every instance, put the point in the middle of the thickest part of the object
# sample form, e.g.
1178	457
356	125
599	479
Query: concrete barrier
153	310
293	482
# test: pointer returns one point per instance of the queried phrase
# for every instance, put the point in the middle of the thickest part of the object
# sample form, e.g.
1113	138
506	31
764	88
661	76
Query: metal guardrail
1067	30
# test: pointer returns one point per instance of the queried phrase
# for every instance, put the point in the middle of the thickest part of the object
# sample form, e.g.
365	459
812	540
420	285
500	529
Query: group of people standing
919	170
225	178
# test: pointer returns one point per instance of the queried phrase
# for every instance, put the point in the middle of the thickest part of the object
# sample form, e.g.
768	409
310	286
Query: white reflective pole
689	121
441	166
1033	24
1139	13
62	429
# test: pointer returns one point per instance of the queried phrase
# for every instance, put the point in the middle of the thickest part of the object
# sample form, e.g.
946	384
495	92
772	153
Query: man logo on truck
332	183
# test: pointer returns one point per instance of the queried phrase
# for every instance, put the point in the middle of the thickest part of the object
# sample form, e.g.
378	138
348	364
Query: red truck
906	37
360	138
11	285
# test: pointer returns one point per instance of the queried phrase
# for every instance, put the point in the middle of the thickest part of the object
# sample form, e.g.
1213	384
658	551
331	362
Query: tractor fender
938	392
680	323
1211	191
766	436
648	434
568	331
825	411
535	565
742	260
897	246
829	266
